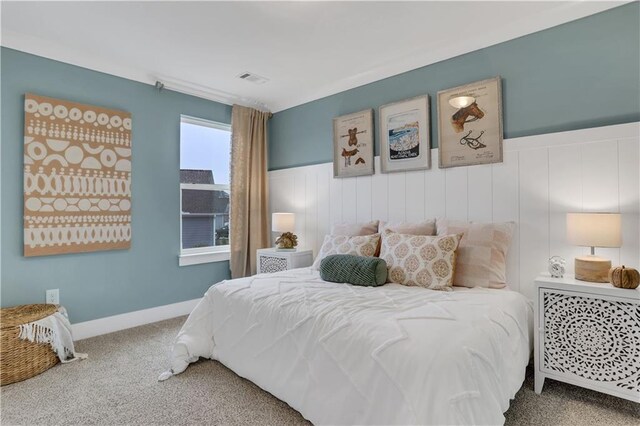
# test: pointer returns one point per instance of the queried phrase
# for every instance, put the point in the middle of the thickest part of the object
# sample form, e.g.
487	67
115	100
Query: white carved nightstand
272	260
587	334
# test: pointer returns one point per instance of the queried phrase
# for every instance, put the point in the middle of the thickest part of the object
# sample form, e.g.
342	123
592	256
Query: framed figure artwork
470	124
404	135
353	144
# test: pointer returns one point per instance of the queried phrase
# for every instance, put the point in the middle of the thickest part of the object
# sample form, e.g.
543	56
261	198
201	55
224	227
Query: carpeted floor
118	385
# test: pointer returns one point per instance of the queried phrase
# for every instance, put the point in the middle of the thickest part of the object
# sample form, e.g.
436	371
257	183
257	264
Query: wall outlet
53	296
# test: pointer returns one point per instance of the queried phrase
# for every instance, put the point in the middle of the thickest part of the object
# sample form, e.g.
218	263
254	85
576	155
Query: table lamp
593	230
285	223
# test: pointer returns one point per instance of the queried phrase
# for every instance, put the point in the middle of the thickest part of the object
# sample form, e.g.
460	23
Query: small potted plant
287	241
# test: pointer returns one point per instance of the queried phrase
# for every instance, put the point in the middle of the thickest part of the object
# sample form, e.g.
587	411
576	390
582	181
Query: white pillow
352	229
359	245
426	227
482	254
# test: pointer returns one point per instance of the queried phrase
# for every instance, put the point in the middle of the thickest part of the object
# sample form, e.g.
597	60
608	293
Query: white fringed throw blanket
55	330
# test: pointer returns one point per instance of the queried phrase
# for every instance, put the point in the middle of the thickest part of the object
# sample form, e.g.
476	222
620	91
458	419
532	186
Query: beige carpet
117	385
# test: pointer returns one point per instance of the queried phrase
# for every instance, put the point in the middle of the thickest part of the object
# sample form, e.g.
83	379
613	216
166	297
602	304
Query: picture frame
404	135
470	134
353	141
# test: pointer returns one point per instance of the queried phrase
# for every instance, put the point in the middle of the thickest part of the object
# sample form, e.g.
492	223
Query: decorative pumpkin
624	277
288	240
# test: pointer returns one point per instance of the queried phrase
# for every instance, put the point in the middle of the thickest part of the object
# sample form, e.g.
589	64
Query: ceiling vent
253	78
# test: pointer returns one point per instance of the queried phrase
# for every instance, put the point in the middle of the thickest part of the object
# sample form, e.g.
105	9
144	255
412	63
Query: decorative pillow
352	229
427	227
482	255
420	260
356	270
360	245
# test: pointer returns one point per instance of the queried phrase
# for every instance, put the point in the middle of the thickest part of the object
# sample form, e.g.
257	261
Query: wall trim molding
188	259
97	327
568	137
572	137
542	178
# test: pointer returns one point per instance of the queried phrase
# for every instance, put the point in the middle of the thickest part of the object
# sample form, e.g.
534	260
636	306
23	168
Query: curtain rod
208	93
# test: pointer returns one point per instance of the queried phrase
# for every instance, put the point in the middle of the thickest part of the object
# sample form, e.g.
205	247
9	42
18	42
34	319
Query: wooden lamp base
593	269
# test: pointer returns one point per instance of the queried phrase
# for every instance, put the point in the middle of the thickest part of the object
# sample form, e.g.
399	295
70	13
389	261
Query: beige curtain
249	188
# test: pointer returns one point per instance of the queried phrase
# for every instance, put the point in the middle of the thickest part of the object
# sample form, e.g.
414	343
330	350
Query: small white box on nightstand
272	260
587	334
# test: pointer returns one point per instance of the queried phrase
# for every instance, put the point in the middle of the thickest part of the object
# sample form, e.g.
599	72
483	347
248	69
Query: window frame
199	255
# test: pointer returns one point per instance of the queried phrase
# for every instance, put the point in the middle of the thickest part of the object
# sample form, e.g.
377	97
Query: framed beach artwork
470	124
404	135
353	144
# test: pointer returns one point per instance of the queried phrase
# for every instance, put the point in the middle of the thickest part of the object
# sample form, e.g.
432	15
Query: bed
343	354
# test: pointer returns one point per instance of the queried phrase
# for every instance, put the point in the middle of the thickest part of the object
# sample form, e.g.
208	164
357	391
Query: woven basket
22	359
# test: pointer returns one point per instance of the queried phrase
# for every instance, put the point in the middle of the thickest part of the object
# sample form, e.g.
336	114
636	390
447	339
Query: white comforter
341	354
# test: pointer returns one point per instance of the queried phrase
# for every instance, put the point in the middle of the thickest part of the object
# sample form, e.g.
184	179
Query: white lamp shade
594	229
283	222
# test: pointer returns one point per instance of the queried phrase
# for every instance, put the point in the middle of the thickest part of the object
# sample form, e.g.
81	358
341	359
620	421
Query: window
205	149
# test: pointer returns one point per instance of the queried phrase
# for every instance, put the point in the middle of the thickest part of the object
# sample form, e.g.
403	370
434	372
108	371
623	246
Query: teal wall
582	74
100	284
585	73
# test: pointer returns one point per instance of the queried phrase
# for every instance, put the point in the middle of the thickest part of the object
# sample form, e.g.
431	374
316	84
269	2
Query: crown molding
89	60
564	13
57	52
206	92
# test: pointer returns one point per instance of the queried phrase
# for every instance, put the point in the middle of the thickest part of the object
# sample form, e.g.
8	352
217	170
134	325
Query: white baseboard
84	330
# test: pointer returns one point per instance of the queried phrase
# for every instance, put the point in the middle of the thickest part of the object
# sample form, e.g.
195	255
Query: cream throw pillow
351	229
426	227
360	245
420	260
482	255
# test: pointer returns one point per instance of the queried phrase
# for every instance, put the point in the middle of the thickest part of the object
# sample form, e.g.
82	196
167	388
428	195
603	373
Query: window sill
207	257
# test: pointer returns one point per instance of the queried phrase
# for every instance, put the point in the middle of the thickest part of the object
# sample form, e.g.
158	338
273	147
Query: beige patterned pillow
360	245
482	255
426	227
420	260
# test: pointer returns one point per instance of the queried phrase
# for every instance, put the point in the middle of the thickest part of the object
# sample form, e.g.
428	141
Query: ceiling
307	50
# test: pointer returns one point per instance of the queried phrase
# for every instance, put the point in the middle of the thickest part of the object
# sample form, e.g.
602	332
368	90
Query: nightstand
272	260
587	334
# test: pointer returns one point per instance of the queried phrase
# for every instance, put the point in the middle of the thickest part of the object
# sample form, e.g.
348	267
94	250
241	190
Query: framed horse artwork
353	144
470	124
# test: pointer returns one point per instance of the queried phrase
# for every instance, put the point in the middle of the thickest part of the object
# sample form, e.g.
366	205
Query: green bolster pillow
356	270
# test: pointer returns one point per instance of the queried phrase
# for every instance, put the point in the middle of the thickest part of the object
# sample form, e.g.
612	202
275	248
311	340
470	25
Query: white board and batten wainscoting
542	178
